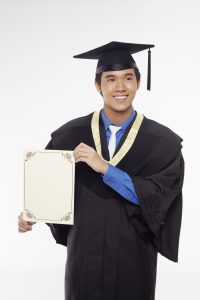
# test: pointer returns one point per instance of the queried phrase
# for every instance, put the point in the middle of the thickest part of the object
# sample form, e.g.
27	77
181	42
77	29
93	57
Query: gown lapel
99	136
122	140
104	145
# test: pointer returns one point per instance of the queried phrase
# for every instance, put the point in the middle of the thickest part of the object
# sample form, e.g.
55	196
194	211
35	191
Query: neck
118	117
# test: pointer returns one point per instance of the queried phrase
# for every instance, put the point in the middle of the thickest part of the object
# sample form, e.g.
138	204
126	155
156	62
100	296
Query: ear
138	84
98	87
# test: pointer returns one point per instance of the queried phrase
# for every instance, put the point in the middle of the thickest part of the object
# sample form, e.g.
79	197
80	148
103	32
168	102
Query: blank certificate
49	186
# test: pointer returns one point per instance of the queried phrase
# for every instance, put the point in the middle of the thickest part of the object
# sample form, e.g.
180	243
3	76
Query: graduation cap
116	56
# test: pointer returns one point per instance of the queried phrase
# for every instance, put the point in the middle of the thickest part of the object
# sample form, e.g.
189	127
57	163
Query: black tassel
149	71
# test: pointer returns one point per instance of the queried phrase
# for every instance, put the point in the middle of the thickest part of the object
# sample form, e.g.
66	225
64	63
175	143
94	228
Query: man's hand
88	155
24	226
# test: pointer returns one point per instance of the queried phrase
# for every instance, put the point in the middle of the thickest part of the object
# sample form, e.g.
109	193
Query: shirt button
110	181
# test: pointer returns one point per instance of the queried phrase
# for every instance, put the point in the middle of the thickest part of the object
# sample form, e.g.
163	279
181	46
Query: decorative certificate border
67	216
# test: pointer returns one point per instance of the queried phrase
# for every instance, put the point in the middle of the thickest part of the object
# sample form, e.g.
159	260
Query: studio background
42	87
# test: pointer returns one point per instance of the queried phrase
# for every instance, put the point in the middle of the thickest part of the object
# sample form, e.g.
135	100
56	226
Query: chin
122	109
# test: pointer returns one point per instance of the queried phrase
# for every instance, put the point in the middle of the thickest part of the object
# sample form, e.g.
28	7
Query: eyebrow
108	76
129	74
112	75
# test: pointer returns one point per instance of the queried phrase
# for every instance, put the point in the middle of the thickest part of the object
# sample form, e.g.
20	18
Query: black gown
112	246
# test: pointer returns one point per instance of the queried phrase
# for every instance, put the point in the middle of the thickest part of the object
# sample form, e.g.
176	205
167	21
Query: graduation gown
112	246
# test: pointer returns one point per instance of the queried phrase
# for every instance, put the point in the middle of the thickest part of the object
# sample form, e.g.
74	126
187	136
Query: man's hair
136	70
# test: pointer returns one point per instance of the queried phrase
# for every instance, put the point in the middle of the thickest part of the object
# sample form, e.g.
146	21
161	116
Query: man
128	191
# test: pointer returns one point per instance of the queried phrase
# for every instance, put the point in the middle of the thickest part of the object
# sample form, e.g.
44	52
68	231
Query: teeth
120	97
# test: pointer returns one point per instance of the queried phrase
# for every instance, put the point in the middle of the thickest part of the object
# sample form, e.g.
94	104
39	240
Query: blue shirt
117	179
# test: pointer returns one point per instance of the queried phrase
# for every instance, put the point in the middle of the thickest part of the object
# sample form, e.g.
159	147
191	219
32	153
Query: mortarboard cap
116	56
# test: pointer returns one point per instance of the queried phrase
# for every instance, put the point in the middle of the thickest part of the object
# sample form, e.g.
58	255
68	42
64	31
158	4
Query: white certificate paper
49	186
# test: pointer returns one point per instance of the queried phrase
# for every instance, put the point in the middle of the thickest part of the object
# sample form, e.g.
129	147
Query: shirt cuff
121	182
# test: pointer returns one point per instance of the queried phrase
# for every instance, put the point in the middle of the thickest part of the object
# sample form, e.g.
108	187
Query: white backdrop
42	87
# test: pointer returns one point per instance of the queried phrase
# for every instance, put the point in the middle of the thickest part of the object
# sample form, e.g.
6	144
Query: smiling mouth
120	97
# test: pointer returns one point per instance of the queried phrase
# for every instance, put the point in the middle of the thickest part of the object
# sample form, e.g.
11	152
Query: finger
82	159
86	147
79	148
76	150
20	229
82	146
31	223
20	215
22	222
26	227
87	150
81	153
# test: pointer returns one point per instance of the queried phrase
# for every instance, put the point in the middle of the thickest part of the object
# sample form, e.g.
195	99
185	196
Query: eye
129	78
111	79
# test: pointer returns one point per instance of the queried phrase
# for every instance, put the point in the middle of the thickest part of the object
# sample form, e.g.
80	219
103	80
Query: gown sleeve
160	198
59	231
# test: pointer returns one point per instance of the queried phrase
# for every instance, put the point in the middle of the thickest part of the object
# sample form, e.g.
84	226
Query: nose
120	86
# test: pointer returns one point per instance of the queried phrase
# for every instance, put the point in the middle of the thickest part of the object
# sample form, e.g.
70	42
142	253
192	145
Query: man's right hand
24	226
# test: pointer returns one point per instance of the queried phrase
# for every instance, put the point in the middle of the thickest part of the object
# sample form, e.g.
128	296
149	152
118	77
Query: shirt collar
124	125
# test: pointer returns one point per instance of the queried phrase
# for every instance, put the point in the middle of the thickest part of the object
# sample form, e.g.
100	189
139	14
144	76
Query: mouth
121	97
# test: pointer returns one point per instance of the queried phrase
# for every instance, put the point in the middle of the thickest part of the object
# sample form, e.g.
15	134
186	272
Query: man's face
118	89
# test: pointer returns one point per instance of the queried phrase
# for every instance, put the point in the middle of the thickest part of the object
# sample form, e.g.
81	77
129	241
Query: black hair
136	70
